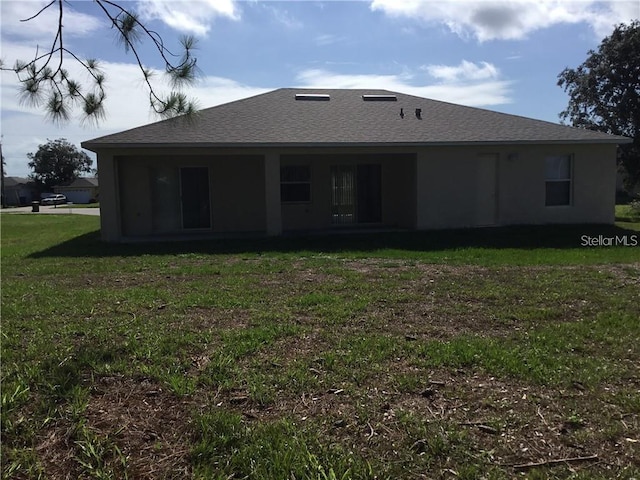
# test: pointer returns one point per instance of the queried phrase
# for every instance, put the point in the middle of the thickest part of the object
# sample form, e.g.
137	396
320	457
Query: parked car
57	199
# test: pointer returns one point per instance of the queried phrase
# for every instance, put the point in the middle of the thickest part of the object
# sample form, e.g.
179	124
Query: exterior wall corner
109	204
273	211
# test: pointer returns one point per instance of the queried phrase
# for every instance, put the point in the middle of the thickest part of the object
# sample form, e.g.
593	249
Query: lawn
496	353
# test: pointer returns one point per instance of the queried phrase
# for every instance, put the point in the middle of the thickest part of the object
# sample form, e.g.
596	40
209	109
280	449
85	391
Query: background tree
57	162
604	93
45	82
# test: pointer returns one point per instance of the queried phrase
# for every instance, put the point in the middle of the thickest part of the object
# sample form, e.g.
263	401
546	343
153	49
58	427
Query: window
321	97
379	98
295	184
557	174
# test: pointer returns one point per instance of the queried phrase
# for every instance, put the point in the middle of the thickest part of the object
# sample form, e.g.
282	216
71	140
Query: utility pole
4	200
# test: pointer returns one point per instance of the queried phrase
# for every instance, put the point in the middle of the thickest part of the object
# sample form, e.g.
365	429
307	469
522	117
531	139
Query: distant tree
45	82
604	93
57	162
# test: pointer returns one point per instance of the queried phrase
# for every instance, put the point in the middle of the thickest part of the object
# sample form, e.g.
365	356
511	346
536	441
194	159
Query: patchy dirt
134	425
149	424
448	415
444	416
512	426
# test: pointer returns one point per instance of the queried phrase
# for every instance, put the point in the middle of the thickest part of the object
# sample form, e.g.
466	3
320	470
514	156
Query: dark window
295	184
557	173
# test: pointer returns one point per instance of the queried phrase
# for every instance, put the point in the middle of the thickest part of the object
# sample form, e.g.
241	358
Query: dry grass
307	365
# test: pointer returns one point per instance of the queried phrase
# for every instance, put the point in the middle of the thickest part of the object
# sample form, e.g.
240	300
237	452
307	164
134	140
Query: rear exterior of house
297	161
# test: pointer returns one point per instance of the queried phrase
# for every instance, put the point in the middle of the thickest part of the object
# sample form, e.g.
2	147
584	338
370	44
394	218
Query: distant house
80	190
19	191
306	160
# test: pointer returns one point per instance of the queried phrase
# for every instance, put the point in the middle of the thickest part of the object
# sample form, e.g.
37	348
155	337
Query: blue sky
502	55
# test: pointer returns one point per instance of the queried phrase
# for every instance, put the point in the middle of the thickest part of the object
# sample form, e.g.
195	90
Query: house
294	160
18	191
80	190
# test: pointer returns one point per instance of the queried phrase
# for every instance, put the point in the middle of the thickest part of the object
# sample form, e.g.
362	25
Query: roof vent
419	113
313	96
379	98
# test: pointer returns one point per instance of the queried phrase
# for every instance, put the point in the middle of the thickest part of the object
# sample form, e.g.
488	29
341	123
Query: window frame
560	180
284	183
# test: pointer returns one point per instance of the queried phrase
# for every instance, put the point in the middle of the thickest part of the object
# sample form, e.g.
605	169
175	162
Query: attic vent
313	96
379	98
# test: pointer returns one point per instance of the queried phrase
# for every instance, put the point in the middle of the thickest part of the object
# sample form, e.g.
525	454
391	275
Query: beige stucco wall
593	186
238	194
520	185
109	199
424	188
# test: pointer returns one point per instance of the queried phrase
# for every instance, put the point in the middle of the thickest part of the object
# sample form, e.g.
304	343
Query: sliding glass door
356	194
180	199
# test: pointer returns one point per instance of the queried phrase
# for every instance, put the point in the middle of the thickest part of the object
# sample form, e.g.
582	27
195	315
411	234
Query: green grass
627	215
346	357
86	205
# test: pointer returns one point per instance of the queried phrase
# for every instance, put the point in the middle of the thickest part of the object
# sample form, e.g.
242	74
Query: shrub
634	209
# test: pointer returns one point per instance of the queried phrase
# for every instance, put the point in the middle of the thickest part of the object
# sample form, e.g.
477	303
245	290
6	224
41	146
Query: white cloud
282	16
328	39
464	72
477	92
190	16
512	19
40	29
617	12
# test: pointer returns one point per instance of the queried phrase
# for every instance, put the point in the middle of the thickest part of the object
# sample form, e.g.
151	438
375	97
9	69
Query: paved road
50	209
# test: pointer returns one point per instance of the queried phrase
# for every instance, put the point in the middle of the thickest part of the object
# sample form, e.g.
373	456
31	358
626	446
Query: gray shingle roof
14	181
81	182
277	118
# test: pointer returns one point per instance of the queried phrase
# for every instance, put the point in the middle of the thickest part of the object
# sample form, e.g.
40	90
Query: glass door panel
165	200
196	209
369	197
342	195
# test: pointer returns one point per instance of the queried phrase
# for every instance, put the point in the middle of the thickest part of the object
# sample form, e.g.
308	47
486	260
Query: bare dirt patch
149	424
131	427
511	426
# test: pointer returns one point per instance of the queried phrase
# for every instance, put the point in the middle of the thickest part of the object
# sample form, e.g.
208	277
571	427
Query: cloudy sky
502	55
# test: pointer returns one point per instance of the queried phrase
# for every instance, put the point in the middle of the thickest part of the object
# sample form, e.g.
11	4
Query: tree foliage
46	83
57	162
604	93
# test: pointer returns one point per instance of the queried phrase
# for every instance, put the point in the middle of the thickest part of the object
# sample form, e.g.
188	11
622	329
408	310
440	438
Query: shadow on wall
520	237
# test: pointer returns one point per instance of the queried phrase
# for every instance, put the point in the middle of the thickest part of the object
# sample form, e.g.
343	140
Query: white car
57	199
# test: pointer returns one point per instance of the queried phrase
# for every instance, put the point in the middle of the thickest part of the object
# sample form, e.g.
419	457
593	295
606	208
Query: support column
422	191
109	205
273	209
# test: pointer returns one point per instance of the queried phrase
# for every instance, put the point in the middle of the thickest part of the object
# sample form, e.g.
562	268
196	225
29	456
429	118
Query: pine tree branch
42	83
41	10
